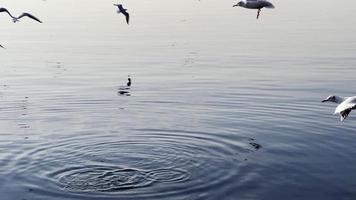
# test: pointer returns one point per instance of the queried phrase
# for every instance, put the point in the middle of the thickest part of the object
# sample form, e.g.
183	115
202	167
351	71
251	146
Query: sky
292	28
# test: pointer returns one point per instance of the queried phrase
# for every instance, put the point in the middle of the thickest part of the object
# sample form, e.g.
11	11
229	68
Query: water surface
221	107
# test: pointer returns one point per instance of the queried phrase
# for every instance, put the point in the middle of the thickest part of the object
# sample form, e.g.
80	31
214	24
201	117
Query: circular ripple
101	179
147	163
169	175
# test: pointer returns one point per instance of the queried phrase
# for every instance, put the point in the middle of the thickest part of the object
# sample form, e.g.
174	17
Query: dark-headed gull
346	104
123	11
16	19
255	4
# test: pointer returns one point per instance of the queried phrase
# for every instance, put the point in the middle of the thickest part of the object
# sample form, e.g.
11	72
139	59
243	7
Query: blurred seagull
123	11
255	4
16	19
2	46
346	104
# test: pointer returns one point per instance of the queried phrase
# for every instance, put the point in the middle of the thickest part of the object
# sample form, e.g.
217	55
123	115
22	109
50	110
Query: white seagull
16	19
123	11
346	104
255	4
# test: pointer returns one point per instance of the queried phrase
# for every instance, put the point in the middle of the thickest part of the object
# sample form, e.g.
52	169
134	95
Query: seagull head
14	19
331	98
240	3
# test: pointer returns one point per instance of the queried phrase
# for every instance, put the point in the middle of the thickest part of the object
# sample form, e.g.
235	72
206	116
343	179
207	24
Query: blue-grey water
222	106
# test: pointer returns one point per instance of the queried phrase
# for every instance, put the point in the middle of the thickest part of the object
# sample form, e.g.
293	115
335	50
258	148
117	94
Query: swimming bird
346	104
129	82
123	11
255	4
125	90
16	19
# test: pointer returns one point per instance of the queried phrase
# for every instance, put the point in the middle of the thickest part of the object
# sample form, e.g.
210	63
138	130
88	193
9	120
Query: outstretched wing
30	16
344	114
126	15
267	4
344	110
2	46
5	10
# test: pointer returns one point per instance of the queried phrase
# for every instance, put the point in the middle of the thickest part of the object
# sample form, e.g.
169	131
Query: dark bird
129	82
255	4
16	19
123	11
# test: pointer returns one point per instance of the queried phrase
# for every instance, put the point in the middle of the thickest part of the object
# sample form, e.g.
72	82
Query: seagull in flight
255	4
16	19
123	11
346	104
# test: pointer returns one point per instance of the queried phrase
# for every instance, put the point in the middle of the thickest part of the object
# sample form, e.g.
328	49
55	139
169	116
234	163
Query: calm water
221	107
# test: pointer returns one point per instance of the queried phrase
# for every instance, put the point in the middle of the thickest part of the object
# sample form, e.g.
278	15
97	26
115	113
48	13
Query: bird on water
123	11
16	19
346	104
129	82
255	4
125	90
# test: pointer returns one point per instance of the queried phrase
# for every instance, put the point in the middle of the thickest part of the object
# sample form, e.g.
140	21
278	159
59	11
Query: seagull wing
5	10
30	16
2	46
268	5
127	16
344	109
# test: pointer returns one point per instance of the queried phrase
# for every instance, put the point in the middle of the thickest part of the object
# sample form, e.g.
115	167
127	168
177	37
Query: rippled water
221	107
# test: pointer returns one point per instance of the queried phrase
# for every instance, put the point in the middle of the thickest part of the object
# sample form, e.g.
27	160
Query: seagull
16	19
123	11
255	4
346	104
2	46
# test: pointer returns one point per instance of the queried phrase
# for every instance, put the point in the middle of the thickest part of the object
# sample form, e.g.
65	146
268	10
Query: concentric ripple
101	179
146	163
168	175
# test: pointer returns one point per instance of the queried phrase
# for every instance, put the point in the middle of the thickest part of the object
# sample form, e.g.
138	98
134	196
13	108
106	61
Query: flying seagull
346	104
16	19
255	4
123	11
